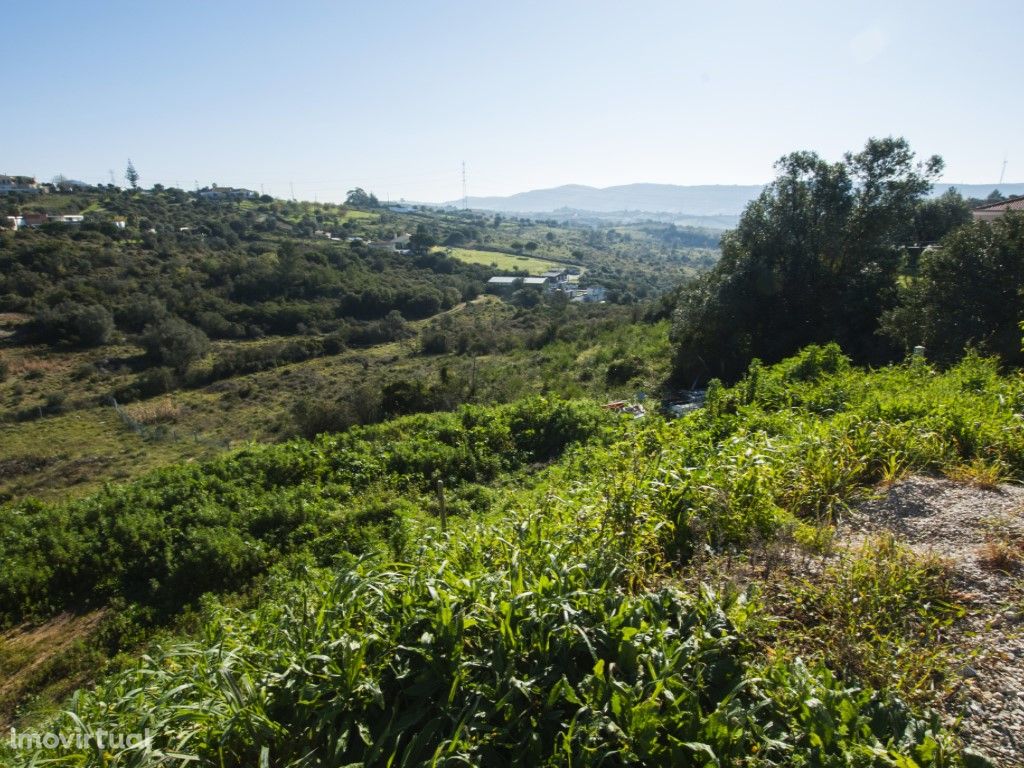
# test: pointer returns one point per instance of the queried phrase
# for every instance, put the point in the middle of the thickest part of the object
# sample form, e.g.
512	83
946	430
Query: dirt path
980	533
27	650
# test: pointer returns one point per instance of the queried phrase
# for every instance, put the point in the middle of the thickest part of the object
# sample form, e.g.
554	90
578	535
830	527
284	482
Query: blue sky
394	96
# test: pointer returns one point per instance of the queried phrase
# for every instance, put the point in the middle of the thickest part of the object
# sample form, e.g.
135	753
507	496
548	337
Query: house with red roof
995	210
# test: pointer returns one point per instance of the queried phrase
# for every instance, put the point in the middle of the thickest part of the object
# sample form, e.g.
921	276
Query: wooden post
441	504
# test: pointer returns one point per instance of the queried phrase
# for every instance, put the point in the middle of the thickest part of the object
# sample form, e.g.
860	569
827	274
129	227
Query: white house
591	295
399	243
19	184
66	218
227	193
508	283
557	275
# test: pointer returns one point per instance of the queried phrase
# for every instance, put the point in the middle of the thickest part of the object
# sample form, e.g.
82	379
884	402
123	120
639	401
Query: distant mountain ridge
695	200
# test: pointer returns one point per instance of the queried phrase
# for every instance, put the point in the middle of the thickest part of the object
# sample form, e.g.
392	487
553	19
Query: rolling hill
700	200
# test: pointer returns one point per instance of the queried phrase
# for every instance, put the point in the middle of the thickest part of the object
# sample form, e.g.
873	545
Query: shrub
84	325
174	343
155	381
316	417
622	370
434	341
55	402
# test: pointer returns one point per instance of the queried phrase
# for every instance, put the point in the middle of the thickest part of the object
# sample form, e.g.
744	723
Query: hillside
201	324
694	201
704	200
584	588
287	484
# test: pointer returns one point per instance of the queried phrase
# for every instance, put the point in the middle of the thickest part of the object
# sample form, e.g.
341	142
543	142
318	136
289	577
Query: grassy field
352	213
504	261
604	591
53	454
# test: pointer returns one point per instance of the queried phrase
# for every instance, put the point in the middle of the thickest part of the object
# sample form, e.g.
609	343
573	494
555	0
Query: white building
399	243
227	193
66	218
19	184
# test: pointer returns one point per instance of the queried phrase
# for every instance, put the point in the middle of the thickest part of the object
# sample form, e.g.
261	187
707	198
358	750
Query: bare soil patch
28	650
979	533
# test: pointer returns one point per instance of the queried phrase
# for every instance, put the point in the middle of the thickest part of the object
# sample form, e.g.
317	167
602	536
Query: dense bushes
174	343
556	631
84	325
819	257
522	655
966	292
164	540
216	267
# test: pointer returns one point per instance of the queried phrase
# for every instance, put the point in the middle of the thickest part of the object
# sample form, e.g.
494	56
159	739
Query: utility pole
1002	173
291	186
465	197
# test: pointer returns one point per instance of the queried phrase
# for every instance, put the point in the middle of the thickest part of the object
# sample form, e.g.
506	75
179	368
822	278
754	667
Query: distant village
27	185
563	280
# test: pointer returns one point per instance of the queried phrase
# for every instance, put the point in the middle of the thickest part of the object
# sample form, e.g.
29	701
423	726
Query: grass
563	621
73	453
879	612
506	262
357	215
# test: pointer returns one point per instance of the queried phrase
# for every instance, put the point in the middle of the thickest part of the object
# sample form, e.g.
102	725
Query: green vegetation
567	616
818	257
163	541
443	550
272	389
199	301
966	292
234	272
506	262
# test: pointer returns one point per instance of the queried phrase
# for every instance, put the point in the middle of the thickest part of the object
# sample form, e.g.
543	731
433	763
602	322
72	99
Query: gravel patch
979	532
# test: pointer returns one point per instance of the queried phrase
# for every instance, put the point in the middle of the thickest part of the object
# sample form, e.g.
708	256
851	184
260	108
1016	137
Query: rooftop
1010	204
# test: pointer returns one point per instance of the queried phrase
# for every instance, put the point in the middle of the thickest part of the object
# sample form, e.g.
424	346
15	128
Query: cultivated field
504	261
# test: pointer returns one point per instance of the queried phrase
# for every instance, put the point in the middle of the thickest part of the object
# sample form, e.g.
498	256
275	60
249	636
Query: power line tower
465	197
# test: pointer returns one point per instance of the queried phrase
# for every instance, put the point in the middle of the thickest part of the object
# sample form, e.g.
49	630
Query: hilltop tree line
853	252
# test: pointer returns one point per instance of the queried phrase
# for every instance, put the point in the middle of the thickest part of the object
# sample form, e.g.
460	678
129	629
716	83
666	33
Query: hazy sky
394	96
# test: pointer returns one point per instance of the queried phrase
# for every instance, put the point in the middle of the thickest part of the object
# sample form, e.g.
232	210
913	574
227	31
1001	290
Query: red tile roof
1012	204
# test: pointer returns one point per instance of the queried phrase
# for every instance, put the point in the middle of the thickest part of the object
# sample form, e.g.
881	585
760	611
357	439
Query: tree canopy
814	259
359	198
132	175
967	293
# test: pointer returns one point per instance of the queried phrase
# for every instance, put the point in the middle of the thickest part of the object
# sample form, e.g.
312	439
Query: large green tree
967	293
814	259
174	343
